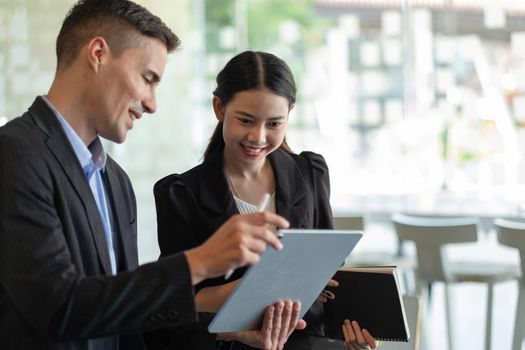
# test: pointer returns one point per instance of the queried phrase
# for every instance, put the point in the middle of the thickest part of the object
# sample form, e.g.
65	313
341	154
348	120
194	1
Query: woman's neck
249	172
250	184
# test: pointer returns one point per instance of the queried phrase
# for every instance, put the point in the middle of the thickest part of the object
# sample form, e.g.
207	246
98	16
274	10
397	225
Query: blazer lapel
59	145
290	185
122	214
214	192
291	189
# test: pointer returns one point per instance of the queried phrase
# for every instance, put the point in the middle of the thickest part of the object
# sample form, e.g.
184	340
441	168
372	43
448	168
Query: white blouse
248	208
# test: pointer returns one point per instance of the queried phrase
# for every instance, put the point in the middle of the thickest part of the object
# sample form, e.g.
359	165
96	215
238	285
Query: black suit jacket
56	288
191	206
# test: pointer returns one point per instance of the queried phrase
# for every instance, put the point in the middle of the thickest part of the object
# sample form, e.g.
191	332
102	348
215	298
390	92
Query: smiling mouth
132	118
253	150
133	115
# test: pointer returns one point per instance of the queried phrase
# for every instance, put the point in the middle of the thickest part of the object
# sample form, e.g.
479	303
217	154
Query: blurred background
416	105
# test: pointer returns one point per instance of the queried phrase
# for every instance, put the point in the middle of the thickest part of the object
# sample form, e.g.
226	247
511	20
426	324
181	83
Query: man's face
125	88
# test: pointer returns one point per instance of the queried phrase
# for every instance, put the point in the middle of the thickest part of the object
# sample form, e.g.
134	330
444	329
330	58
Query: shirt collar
91	158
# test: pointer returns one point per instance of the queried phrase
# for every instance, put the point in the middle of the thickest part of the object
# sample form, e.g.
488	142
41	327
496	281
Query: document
299	272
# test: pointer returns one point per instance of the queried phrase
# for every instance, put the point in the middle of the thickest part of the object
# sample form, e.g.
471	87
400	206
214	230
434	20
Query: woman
248	159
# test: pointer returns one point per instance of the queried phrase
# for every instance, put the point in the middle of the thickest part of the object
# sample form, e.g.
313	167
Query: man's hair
119	22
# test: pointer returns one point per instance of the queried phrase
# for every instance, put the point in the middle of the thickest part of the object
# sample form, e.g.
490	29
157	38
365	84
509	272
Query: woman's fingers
332	283
267	327
356	338
277	322
301	325
370	339
360	338
296	312
286	320
348	332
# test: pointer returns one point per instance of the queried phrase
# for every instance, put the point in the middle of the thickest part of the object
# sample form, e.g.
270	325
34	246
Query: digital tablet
299	271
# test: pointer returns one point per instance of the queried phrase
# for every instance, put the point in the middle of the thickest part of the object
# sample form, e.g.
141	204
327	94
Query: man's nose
150	103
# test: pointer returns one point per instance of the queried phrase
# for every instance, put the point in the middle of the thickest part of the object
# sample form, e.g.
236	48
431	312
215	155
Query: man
68	256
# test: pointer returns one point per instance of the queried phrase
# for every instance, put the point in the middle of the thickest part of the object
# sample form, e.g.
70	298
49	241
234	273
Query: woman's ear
218	108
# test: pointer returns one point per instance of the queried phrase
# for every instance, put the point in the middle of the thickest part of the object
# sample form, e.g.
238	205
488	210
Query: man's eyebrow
154	76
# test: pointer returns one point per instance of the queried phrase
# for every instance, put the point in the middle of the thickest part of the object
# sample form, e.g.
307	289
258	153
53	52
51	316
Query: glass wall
413	103
436	102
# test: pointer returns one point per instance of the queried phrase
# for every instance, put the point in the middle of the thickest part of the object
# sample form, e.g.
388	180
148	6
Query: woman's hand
355	338
326	294
280	320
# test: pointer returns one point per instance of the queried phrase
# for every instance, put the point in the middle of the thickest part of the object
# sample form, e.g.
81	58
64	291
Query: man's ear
97	52
218	108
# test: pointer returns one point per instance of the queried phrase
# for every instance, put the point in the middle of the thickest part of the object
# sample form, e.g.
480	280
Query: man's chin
115	138
120	139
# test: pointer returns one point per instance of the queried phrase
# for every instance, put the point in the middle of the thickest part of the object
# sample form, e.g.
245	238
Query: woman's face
254	125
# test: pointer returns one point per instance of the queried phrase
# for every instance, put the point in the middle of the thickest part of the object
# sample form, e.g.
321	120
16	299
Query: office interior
418	107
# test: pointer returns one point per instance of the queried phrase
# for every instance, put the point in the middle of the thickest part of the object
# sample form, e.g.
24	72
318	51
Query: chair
412	310
512	233
405	263
429	236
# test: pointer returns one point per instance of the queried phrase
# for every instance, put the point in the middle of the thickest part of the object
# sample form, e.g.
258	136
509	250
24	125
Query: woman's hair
251	70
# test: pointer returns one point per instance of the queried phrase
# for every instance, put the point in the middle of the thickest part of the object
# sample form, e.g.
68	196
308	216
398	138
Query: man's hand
210	299
238	242
280	320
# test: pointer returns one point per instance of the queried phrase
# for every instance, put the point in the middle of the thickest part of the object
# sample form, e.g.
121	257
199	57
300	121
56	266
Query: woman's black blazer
193	205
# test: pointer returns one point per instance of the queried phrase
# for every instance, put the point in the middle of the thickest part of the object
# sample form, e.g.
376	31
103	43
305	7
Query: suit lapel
59	145
122	213
291	189
290	185
214	192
